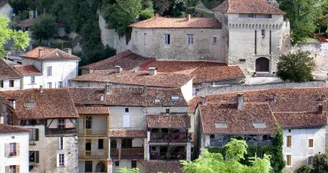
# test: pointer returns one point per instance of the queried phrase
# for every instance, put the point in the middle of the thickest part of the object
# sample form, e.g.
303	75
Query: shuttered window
289	160
310	143
289	141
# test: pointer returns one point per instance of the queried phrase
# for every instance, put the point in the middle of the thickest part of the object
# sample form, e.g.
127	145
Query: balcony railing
168	137
91	132
127	153
168	156
92	154
60	132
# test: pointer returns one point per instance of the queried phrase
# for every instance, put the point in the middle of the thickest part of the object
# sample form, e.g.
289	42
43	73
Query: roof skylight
259	125
221	125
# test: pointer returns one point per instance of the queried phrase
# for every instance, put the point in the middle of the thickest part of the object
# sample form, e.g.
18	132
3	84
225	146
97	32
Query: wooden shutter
7	169
310	142
7	150
17	169
17	149
36	156
289	160
36	134
289	141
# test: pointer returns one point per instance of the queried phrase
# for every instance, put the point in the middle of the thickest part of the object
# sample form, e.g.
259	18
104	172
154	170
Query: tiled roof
127	133
168	121
236	121
26	23
52	103
202	71
127	60
28	70
139	78
49	54
128	96
248	7
153	166
7	72
93	110
11	129
183	23
300	119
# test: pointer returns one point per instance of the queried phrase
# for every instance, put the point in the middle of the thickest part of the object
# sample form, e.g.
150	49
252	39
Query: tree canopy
44	28
20	38
297	67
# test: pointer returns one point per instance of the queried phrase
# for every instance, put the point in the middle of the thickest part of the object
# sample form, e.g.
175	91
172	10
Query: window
221	125
61	143
212	136
60	84
100	144
289	130
29	105
11	83
310	143
252	15
32	79
167	111
289	160
117	163
88	122
1	83
135	36
34	135
49	85
145	38
61	123
133	164
12	169
126	120
167	39
127	110
214	40
190	39
12	151
34	156
289	141
61	161
126	143
263	33
49	71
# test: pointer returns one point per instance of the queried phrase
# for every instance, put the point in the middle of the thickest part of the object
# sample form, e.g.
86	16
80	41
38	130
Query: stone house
9	77
31	76
51	117
14	149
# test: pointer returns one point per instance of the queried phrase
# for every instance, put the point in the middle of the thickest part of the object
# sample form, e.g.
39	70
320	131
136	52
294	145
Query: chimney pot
156	15
240	101
152	70
320	108
188	16
118	69
68	50
40	52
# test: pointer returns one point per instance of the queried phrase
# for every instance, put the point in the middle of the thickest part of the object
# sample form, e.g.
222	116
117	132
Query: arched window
100	167
262	65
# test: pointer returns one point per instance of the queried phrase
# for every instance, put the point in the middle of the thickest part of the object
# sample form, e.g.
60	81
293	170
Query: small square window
215	40
167	39
117	163
32	79
212	136
190	39
1	83
133	164
289	130
167	111
11	83
127	110
263	33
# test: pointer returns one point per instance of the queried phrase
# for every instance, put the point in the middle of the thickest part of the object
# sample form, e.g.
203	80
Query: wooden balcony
168	137
91	132
57	132
93	154
127	153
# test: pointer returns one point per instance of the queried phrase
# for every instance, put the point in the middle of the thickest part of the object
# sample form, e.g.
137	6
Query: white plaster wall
201	49
187	90
17	84
36	63
159	110
27	82
22	159
137	117
299	149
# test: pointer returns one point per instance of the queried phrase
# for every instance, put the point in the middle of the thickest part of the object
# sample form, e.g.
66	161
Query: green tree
146	14
304	169
44	28
297	67
161	6
216	162
126	170
20	38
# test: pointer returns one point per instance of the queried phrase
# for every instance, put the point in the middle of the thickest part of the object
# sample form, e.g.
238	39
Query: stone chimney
240	101
41	89
118	69
156	15
108	89
188	16
40	52
68	50
152	70
320	108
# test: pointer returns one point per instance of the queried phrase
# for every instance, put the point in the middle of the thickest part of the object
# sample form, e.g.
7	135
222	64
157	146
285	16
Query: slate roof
247	7
28	70
178	23
300	119
127	60
153	166
93	110
52	103
7	72
128	96
49	54
236	121
168	121
11	129
139	78
127	133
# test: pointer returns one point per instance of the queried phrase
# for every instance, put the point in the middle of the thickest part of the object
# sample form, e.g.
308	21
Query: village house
145	124
301	113
31	77
9	77
51	117
14	149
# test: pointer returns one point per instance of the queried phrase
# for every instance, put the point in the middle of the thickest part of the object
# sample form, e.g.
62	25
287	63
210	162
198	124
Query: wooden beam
50	122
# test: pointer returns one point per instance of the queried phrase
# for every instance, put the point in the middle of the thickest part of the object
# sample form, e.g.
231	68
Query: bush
44	28
304	169
146	14
296	67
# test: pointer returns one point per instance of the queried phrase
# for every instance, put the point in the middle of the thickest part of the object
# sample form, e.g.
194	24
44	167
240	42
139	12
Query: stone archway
262	64
100	167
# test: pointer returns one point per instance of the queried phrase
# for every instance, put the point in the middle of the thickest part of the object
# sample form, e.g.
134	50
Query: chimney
68	50
91	70
118	69
41	89
240	101
203	98
108	89
156	15
320	108
40	52
152	70
12	104
188	16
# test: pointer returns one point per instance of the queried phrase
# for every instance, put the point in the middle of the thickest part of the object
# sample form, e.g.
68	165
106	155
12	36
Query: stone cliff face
6	9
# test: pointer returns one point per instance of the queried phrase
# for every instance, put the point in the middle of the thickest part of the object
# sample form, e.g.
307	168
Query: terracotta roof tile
127	133
128	96
154	166
52	103
127	60
93	110
7	72
168	121
26	23
163	22
49	54
300	119
139	78
247	6
236	121
28	70
11	129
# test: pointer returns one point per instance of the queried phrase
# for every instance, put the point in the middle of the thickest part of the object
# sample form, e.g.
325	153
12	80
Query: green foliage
19	5
210	4
21	39
320	163
44	28
296	67
146	14
126	170
162	5
217	163
304	169
175	8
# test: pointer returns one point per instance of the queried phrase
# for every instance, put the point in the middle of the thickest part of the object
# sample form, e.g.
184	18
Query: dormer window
175	98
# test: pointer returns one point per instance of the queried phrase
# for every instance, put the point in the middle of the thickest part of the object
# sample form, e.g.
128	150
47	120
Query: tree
161	6
44	28
126	170
20	38
296	67
216	162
